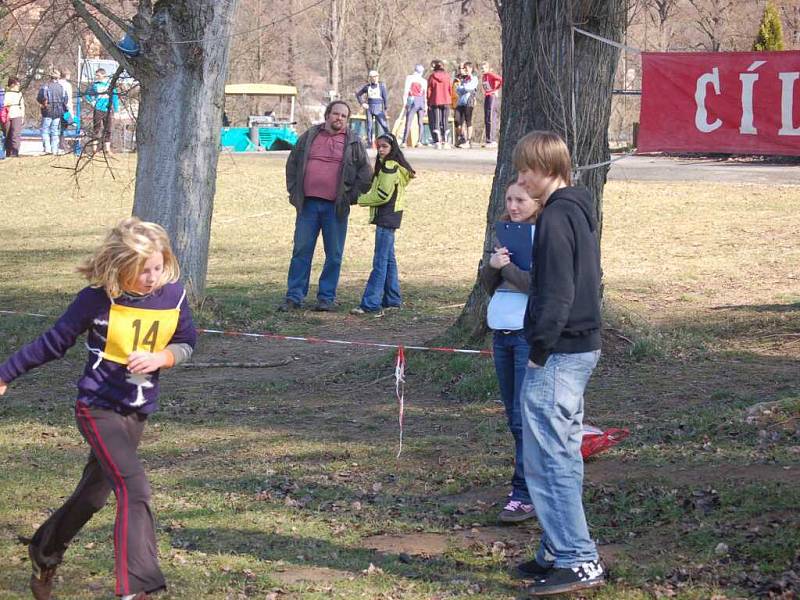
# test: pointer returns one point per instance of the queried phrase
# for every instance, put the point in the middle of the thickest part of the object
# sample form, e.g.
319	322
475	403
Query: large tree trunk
550	87
178	126
181	69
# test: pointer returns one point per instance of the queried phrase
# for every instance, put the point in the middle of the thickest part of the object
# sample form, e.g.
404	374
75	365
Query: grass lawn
282	482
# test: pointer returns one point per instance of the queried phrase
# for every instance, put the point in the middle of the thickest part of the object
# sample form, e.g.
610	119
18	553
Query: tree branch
120	22
109	44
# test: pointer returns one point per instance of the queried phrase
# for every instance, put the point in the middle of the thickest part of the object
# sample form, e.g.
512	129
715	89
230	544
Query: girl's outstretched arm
55	342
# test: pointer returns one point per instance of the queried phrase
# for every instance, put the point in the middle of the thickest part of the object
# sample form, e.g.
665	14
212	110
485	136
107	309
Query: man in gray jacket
326	171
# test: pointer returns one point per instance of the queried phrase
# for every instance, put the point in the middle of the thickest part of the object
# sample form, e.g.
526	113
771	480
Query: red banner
737	102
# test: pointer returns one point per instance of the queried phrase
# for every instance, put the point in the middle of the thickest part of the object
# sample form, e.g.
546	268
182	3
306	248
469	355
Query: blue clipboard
518	238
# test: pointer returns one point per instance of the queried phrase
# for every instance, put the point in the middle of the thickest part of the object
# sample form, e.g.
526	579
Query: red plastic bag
596	440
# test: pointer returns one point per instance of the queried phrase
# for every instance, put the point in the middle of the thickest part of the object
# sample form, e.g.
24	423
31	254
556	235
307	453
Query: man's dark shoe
41	578
529	570
324	306
288	305
588	575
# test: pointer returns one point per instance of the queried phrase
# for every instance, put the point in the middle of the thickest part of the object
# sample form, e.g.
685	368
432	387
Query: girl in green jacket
386	201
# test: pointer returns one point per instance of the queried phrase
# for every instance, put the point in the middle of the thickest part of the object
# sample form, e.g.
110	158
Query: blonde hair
117	263
545	152
539	207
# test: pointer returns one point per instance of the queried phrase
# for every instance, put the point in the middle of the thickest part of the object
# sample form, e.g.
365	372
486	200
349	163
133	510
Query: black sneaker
324	306
529	570
288	305
588	575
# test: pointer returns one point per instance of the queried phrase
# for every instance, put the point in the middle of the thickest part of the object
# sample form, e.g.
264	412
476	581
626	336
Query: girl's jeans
383	286
510	362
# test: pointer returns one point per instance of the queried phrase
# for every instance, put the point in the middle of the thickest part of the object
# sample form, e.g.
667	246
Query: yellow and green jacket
386	195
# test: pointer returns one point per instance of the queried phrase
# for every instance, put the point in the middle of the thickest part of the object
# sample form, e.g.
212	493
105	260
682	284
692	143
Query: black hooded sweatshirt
563	313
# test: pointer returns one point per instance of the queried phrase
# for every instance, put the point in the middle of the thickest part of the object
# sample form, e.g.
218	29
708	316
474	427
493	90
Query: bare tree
333	37
465	14
386	24
558	80
791	21
660	13
712	21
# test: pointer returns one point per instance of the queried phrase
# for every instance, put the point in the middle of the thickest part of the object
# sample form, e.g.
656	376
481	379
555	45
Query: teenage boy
562	326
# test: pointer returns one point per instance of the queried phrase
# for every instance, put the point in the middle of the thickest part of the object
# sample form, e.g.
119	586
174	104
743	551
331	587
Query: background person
386	202
439	97
104	109
53	101
509	286
414	103
374	99
15	102
491	83
562	326
65	83
467	92
326	171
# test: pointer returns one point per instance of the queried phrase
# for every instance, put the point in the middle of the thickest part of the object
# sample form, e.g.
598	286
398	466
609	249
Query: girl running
386	199
138	322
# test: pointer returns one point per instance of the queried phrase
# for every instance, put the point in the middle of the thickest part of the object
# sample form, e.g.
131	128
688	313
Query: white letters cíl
787	103
748	80
701	115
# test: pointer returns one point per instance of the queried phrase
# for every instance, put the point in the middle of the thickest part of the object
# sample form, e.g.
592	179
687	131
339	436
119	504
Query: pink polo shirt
324	164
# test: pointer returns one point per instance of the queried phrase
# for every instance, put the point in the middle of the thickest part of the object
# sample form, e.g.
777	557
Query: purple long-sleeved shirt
104	383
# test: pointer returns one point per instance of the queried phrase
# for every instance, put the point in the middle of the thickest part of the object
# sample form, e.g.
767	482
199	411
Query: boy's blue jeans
51	129
317	215
383	286
552	432
510	362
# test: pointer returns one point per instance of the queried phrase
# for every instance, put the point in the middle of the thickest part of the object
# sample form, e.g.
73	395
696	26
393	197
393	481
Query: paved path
632	168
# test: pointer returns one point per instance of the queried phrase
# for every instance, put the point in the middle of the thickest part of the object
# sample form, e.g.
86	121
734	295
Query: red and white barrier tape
400	390
400	362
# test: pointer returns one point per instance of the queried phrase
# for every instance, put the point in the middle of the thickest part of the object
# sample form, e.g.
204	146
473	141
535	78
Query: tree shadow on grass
761	308
321	553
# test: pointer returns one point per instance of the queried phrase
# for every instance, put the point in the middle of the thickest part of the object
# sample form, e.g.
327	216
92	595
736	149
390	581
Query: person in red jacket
491	83
439	98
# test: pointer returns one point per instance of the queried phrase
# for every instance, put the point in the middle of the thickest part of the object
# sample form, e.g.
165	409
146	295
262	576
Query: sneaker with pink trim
516	512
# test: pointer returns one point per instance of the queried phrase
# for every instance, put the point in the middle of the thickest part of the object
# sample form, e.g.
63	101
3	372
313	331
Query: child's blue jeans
383	286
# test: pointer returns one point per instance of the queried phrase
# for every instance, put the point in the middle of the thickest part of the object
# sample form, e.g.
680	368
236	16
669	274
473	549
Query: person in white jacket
16	115
414	103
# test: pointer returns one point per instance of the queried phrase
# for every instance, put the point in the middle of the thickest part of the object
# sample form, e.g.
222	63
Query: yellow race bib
138	329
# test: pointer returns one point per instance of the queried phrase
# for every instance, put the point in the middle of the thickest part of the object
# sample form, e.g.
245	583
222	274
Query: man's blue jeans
317	215
552	431
383	286
510	361
51	127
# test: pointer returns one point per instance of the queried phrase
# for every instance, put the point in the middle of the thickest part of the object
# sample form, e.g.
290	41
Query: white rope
606	40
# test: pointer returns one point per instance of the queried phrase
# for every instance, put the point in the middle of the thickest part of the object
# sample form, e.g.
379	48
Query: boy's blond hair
117	263
545	152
